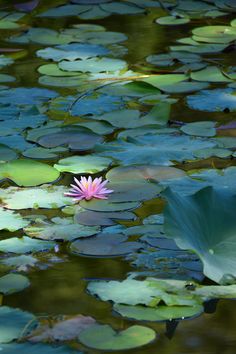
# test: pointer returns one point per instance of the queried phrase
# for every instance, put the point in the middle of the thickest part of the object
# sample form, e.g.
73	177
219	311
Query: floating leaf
13	322
83	164
61	229
12	283
154	149
216	100
205	223
173	20
6	154
28	172
25	245
162	313
104	245
210	74
199	128
11	221
72	52
93	65
43	197
92	218
103	337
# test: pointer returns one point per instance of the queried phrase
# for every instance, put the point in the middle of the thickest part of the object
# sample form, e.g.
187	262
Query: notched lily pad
104	245
28	172
103	337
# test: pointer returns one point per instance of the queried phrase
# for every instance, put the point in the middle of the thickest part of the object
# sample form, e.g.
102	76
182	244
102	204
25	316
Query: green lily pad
154	149
13	322
7	154
12	283
205	223
161	313
44	197
104	245
76	138
61	229
210	74
107	206
20	263
91	218
218	179
225	33
159	81
11	221
144	292
53	70
83	164
25	245
72	52
93	65
197	48
199	128
216	100
42	153
103	337
8	20
143	173
28	172
173	20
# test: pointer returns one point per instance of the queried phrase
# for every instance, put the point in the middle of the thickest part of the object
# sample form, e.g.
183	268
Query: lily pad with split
28	172
103	337
105	245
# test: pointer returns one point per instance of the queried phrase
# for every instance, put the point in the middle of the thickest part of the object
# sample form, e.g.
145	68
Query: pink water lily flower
88	189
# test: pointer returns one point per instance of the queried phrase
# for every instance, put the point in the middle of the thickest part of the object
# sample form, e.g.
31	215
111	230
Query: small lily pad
199	128
12	283
173	20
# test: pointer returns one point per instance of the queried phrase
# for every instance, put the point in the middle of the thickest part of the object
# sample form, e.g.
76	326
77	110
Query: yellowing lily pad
28	172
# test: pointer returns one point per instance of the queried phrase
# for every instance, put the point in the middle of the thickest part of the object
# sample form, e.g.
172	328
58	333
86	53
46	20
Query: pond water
59	275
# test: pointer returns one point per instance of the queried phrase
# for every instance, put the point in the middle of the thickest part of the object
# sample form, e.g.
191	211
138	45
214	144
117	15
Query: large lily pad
13	322
76	138
72	52
162	313
105	245
103	337
206	224
25	245
213	100
43	197
61	229
154	149
28	172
